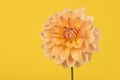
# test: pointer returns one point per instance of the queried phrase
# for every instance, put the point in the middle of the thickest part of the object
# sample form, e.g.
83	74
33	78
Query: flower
70	37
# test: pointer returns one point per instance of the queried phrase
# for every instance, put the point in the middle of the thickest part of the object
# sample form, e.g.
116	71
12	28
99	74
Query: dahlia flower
70	37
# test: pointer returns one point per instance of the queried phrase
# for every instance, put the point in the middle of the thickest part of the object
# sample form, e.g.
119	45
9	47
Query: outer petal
87	56
70	61
48	44
51	20
77	64
58	60
57	52
80	13
88	23
84	46
91	38
50	34
63	21
65	53
92	48
48	53
77	22
96	34
77	55
64	64
67	13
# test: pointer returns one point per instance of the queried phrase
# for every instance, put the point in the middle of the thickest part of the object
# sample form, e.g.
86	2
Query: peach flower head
70	37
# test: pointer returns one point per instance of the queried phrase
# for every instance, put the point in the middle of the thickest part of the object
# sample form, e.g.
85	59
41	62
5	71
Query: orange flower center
70	33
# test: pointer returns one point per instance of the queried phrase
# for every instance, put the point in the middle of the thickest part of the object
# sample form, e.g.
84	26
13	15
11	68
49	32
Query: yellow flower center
70	33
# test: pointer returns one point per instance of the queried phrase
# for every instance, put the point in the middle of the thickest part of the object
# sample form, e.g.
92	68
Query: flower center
70	33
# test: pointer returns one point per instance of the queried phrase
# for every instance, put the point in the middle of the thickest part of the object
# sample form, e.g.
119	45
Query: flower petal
48	53
78	22
87	56
57	53
70	44
77	55
56	50
58	41
78	43
51	34
65	53
58	60
85	45
97	34
67	13
64	64
92	48
91	38
77	64
80	13
88	23
48	44
70	61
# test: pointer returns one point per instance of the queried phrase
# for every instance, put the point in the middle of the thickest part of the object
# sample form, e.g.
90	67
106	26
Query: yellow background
21	57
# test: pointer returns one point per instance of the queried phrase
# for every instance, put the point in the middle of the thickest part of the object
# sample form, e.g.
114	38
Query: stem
72	75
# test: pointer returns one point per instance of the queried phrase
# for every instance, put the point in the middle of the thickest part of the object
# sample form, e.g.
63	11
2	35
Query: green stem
72	75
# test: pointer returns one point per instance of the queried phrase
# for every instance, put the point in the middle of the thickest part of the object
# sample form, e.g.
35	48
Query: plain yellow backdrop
21	57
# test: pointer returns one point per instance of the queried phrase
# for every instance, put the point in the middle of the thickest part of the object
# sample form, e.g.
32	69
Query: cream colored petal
42	46
77	22
58	41
67	13
56	50
50	34
70	61
57	53
84	46
56	16
96	29
92	48
88	23
91	38
48	53
77	64
80	13
63	21
87	56
51	20
58	60
64	64
90	18
46	26
48	44
77	55
65	53
78	43
97	34
53	30
42	35
70	44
